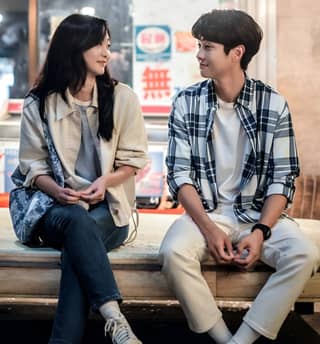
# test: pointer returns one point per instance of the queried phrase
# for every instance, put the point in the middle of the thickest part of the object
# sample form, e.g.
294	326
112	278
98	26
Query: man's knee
175	257
183	246
311	255
305	253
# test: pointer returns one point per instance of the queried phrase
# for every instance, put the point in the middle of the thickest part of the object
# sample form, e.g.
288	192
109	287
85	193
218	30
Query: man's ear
238	52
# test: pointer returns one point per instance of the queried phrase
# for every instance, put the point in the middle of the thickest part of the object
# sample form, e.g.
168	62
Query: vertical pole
264	64
33	41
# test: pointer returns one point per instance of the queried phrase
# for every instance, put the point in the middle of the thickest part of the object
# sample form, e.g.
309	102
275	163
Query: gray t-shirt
88	162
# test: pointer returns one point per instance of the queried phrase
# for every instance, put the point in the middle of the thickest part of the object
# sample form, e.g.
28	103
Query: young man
232	162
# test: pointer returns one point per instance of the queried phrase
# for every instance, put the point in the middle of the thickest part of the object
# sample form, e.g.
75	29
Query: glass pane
116	12
13	52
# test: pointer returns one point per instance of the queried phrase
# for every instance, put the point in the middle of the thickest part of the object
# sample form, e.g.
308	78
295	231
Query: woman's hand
67	196
95	193
63	195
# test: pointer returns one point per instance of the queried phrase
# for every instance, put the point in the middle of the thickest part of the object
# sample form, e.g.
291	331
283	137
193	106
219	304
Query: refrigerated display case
151	186
9	144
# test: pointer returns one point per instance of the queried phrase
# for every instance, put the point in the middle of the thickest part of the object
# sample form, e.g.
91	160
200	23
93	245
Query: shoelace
120	331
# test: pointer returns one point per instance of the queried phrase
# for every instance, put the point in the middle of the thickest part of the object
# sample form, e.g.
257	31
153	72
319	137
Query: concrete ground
157	326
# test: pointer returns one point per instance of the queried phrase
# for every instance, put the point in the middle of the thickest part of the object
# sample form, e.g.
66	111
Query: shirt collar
67	108
246	95
244	99
212	96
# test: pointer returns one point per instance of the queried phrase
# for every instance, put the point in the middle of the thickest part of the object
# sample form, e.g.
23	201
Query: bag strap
53	156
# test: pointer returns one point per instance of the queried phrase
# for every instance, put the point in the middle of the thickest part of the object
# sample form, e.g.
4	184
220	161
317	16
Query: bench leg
304	307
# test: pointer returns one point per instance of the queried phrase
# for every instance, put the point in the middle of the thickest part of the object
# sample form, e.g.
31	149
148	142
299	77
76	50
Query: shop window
13	54
116	12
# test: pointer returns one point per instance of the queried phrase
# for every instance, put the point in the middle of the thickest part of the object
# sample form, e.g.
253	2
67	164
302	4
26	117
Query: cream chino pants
294	257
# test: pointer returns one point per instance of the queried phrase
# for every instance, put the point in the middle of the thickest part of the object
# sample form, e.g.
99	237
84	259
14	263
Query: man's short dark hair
230	28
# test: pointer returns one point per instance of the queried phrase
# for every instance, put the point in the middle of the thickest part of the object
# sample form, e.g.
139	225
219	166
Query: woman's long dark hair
65	67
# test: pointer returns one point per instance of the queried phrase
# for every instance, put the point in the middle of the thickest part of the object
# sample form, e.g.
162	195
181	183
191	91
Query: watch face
267	234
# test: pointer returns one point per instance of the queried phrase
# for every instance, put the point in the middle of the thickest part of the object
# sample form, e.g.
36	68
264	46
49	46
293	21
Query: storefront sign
156	83
153	83
185	42
153	43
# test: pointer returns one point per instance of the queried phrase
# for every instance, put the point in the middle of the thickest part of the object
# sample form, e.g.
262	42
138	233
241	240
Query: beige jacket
128	145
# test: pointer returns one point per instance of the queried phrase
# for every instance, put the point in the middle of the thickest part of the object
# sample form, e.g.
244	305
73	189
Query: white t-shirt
230	144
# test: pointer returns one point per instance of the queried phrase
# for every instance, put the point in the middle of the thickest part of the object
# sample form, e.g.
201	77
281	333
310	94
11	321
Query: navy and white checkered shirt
270	168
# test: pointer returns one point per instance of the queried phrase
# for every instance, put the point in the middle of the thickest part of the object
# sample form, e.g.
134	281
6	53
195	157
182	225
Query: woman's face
97	57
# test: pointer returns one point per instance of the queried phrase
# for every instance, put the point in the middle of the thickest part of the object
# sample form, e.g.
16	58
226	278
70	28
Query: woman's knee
58	220
68	212
72	217
116	238
101	215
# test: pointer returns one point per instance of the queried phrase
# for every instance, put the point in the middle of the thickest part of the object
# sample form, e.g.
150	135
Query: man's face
213	61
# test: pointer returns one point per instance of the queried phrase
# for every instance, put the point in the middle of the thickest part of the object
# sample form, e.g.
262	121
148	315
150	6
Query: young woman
97	131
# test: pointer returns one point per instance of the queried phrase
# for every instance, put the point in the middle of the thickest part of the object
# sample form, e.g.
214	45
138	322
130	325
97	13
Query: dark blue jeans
86	279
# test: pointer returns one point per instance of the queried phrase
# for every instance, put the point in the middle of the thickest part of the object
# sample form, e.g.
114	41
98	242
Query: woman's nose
106	53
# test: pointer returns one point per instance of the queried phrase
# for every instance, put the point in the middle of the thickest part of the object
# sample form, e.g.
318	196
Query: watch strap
266	230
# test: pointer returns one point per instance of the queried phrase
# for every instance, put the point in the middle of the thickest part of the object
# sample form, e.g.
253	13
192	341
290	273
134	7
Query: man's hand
67	196
95	193
218	242
253	244
219	245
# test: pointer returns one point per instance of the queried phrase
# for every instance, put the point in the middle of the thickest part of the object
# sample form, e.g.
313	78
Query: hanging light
88	10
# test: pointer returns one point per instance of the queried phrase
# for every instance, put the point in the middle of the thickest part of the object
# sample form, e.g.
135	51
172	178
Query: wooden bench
31	276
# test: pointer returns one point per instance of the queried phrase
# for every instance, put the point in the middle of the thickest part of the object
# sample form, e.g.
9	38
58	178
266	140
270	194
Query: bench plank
28	273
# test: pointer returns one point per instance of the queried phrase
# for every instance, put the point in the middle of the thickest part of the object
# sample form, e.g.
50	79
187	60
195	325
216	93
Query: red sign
156	83
185	42
15	106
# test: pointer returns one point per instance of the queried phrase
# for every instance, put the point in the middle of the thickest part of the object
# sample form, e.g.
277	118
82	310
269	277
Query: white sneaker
120	331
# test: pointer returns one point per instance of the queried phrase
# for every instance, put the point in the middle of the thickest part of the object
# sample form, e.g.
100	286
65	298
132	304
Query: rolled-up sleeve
132	148
284	160
179	157
33	152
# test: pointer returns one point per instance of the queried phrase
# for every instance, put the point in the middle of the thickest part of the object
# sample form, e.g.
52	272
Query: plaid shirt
269	168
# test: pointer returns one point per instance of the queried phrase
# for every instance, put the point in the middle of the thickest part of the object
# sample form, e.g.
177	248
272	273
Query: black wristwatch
266	230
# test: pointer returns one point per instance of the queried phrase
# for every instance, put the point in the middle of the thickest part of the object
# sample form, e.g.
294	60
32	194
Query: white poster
164	28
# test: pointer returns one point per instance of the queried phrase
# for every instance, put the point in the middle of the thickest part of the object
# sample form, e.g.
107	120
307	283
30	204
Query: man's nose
199	55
